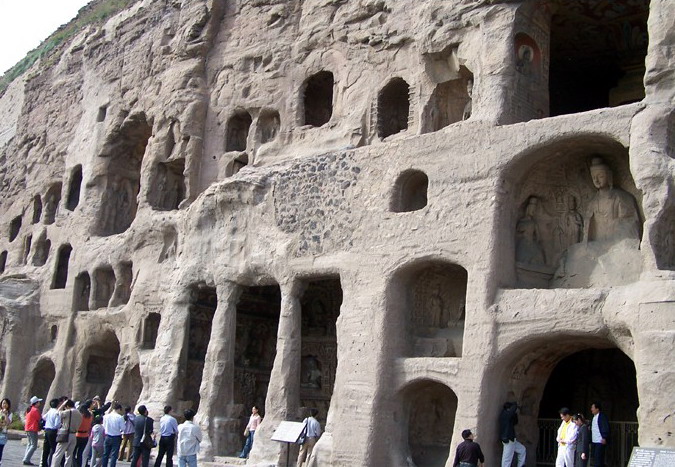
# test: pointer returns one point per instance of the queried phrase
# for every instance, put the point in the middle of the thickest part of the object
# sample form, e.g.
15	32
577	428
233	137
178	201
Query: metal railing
624	435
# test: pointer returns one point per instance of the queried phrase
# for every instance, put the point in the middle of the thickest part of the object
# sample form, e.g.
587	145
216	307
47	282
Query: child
97	436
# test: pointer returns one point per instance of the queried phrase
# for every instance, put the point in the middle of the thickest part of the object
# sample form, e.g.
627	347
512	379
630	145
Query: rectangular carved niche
202	308
320	306
255	344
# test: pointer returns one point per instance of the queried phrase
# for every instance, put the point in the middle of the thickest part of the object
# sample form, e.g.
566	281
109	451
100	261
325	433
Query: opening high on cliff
597	55
318	98
410	191
393	108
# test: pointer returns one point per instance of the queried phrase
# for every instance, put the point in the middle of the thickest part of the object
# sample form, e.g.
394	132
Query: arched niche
41	378
28	243
409	192
53	333
236	164
317	98
41	251
15	227
393	108
52	200
597	55
124	277
100	362
428	412
238	126
269	123
74	187
151	330
119	186
531	372
3	261
450	102
103	286
37	209
168	189
426	304
567	232
60	277
82	292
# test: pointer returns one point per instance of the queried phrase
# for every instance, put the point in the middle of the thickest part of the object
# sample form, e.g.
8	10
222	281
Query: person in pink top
253	422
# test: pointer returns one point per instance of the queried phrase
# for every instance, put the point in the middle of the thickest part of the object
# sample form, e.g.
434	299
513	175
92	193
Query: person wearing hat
468	453
32	427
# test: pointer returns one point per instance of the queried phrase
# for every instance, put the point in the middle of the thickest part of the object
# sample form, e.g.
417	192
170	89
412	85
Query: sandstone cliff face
360	206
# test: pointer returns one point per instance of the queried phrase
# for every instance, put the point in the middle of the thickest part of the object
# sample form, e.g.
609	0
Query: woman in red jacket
32	427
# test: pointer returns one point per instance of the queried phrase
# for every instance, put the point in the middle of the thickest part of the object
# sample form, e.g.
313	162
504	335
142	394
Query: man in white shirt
52	424
189	437
70	421
567	437
313	432
168	428
113	425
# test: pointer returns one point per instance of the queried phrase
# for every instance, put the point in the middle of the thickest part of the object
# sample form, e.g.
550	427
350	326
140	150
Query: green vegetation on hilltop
95	12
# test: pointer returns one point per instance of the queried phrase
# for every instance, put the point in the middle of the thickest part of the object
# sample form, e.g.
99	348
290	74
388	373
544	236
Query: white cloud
26	23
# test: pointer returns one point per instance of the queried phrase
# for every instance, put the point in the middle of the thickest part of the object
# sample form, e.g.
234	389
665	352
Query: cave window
450	102
237	164
269	123
15	228
393	108
102	111
52	200
53	332
151	330
74	190
37	209
3	261
104	286
318	98
238	127
42	247
168	190
61	273
410	191
82	292
597	55
26	248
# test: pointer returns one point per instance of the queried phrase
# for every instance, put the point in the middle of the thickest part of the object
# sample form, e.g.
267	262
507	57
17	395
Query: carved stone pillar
283	393
219	424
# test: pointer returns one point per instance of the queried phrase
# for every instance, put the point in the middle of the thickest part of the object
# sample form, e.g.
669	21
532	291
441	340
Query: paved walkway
14	451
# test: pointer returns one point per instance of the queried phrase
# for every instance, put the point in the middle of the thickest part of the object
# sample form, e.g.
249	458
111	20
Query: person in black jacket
143	429
468	453
599	435
508	420
583	443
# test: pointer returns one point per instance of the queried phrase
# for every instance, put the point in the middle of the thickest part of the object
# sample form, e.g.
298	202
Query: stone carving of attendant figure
528	248
612	213
468	107
570	226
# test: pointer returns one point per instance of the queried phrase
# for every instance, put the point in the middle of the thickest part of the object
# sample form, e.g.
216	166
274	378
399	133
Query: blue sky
26	23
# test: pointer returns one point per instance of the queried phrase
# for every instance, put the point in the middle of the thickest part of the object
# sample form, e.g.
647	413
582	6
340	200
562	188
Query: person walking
32	426
508	420
469	453
168	428
5	421
70	421
82	436
566	438
253	422
142	433
113	425
583	443
312	434
127	434
189	439
52	422
599	435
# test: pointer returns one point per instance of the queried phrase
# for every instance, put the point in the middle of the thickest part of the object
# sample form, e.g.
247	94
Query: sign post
289	433
652	457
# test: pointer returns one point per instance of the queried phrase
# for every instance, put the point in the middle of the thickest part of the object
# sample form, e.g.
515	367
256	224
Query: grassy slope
95	12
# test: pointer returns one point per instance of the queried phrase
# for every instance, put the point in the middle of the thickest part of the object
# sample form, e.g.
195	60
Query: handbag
247	432
147	441
63	433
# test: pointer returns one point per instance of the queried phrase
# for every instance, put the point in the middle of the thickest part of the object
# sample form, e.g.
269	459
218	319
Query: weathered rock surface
377	208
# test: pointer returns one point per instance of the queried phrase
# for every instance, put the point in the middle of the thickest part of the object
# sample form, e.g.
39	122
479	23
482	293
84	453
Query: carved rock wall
193	260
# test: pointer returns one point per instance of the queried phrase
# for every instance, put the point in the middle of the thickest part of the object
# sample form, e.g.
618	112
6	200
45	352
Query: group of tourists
577	440
95	434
